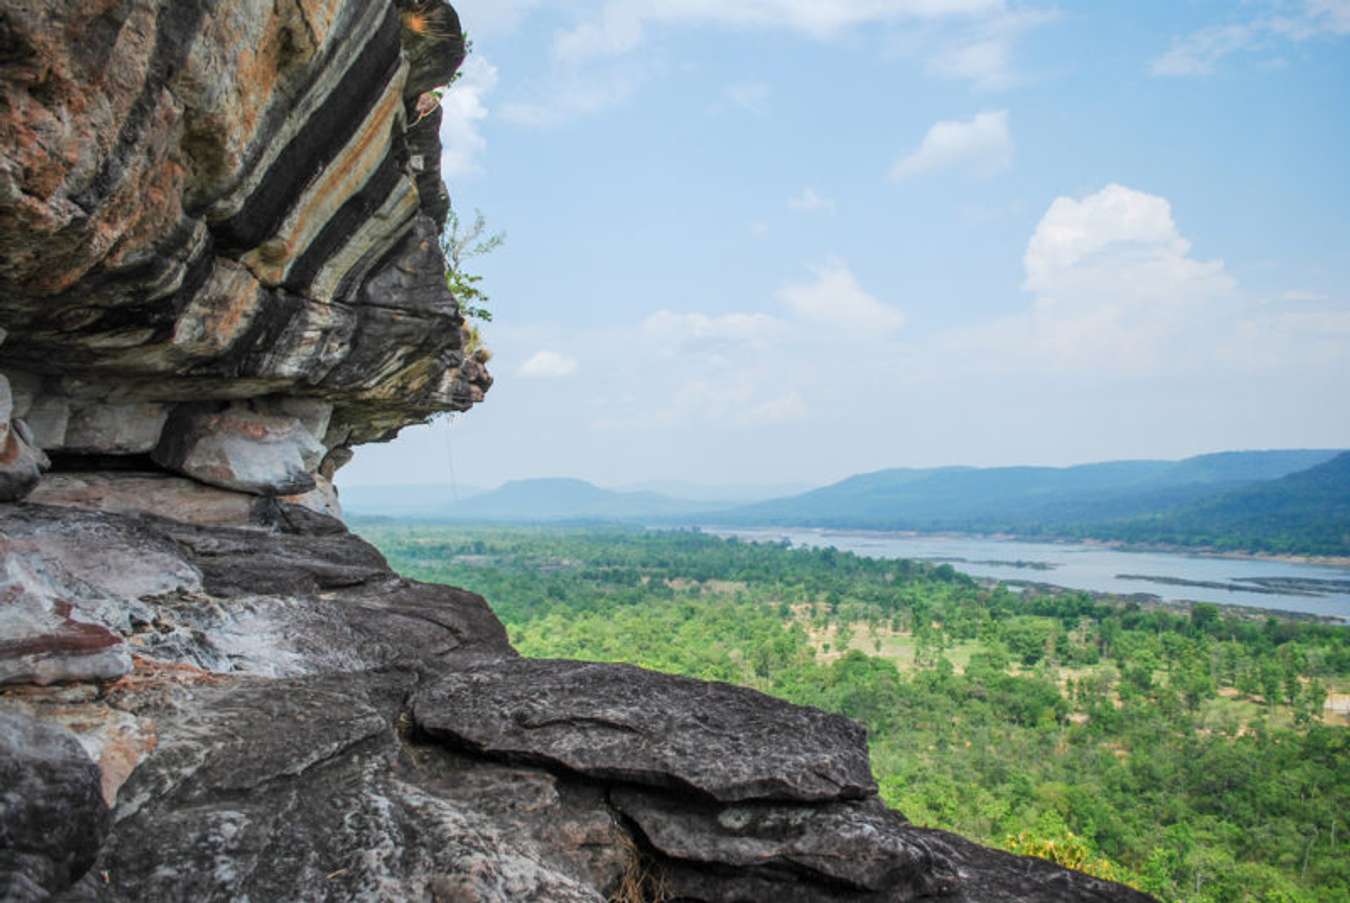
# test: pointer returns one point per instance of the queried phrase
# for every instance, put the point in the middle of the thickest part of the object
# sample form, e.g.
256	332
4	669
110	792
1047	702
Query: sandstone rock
52	815
861	846
21	465
195	199
322	499
993	876
49	417
619	723
293	790
70	590
334	461
113	429
107	556
114	740
240	449
160	494
83	591
25	388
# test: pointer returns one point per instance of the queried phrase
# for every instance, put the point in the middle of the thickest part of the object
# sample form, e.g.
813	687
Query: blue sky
765	241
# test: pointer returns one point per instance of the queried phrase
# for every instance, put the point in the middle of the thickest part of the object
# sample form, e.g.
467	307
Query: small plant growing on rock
461	243
642	881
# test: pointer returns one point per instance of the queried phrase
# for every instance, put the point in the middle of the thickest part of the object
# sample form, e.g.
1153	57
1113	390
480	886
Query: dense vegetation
1183	753
1280	501
1306	512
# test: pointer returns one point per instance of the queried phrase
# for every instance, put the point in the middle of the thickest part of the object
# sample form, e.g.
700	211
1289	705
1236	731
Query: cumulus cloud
810	201
463	110
982	145
1200	52
1115	288
622	24
548	365
833	298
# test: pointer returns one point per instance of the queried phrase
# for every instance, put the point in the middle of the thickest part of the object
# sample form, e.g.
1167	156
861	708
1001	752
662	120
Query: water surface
1087	567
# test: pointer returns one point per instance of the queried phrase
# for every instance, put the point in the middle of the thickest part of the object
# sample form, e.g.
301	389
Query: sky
786	241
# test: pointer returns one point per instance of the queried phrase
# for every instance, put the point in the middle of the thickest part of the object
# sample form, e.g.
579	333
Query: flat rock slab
861	845
624	724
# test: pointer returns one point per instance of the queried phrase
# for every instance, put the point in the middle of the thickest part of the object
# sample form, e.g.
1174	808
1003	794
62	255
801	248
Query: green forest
1189	754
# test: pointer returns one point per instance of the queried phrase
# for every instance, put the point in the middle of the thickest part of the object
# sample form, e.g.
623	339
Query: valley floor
1198	756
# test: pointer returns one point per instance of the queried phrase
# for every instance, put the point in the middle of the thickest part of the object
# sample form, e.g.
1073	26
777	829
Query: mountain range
1275	501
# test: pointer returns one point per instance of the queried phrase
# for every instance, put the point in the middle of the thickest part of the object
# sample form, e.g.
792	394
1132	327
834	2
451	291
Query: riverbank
1153	602
1333	561
1178	577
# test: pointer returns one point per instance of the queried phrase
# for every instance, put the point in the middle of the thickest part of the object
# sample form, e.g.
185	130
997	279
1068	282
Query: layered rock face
218	236
219	271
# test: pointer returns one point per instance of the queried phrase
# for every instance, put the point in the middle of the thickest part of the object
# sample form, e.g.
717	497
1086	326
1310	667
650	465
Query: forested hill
1308	511
1276	501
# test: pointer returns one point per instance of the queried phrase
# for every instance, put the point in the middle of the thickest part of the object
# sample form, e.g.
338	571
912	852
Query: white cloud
548	365
1116	220
982	145
753	97
1115	290
759	229
463	111
697	333
621	24
811	202
836	300
1200	52
983	53
574	95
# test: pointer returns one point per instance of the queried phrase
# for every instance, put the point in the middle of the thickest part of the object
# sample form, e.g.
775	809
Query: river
1322	590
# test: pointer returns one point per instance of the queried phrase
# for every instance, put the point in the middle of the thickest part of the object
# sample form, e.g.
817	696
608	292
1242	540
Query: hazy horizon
797	241
787	488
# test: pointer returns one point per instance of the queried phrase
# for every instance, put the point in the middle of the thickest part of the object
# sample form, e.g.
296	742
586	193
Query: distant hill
1305	512
409	500
722	494
527	500
961	497
1270	501
1102	500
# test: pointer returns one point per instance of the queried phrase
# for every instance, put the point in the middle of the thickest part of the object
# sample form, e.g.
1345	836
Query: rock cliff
219	272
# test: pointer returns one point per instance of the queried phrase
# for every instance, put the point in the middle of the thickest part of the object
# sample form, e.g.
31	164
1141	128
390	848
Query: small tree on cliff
461	243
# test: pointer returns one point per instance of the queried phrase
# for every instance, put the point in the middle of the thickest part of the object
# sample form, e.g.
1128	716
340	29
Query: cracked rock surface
620	723
293	721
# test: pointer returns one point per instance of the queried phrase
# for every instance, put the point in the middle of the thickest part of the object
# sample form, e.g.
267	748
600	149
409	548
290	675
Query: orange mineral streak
343	178
149	674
